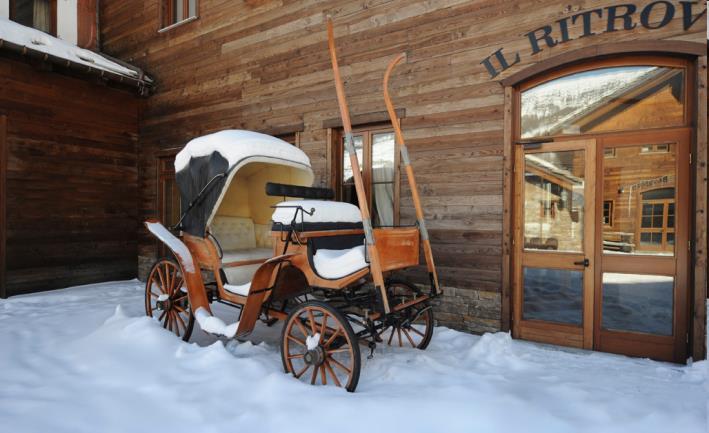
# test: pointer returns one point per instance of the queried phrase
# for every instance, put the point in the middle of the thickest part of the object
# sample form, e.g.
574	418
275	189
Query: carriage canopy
226	173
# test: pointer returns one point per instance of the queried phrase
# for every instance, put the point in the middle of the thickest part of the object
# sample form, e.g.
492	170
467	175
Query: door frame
548	332
3	206
674	347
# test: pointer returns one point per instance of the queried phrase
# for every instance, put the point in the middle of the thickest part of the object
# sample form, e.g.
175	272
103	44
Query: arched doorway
601	204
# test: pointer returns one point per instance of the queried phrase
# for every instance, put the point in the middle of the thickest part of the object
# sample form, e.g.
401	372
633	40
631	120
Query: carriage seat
327	215
241	241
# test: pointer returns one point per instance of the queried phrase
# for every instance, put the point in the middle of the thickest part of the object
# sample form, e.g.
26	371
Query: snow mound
339	263
498	350
236	145
215	325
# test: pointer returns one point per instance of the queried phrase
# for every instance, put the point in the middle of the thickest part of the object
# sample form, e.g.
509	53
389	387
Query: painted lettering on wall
614	18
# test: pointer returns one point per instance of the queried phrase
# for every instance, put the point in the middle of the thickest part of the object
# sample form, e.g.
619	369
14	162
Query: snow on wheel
166	298
410	327
318	345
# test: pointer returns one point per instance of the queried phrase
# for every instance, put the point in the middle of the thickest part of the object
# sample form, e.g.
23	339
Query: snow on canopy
206	168
37	40
235	145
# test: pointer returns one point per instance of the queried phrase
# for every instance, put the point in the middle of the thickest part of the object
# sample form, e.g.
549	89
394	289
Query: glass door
641	289
554	242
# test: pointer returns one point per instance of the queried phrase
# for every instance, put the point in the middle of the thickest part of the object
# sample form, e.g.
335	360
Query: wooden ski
373	253
410	176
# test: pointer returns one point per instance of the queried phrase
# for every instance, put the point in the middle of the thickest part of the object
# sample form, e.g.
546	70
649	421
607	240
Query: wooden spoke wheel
319	346
166	298
411	327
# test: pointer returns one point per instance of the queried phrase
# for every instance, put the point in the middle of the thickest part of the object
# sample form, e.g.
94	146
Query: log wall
71	179
263	65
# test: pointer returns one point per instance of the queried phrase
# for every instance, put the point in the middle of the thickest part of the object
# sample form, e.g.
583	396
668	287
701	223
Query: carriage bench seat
326	215
244	247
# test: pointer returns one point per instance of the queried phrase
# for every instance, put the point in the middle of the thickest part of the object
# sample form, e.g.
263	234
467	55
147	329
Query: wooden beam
508	160
701	206
365	118
3	202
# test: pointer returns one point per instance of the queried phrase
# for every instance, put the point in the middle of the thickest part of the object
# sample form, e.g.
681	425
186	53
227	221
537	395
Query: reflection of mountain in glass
590	100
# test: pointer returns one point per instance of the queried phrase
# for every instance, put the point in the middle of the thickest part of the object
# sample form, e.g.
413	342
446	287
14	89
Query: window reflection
638	303
641	186
349	193
383	153
554	201
608	99
553	295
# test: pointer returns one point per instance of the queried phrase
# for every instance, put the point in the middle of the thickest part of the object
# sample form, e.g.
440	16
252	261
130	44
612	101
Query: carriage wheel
318	345
412	327
166	298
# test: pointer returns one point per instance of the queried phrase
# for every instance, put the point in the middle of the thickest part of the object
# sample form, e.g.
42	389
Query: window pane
347	173
34	13
638	303
671	238
554	201
641	188
383	157
193	8
553	295
607	99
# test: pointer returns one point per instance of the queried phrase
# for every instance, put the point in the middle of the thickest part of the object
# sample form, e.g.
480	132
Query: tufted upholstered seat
241	240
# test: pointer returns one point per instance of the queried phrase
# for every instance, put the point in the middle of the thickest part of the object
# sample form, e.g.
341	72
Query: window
655	148
176	11
38	14
657	220
608	212
605	99
609	152
379	160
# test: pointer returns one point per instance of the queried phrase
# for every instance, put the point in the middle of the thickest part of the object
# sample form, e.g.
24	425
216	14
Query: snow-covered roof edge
28	41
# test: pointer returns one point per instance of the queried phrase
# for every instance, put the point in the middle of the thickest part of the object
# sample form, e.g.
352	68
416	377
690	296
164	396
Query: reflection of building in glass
641	185
609	99
554	201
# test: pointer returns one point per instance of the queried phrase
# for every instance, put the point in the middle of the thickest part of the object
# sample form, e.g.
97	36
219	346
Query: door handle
585	262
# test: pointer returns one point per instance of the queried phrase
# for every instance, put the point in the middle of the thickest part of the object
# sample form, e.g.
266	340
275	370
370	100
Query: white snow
339	263
312	341
235	145
74	362
322	212
214	325
178	248
37	40
163	297
241	289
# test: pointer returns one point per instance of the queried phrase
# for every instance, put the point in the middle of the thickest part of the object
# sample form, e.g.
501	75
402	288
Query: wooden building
68	157
561	147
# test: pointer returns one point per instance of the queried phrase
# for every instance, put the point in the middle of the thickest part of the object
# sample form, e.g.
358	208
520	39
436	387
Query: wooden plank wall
263	64
71	179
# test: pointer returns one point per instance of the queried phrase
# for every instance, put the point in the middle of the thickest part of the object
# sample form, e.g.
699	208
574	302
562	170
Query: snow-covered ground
85	359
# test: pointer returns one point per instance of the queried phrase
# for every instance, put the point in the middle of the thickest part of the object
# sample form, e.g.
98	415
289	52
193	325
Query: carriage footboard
190	271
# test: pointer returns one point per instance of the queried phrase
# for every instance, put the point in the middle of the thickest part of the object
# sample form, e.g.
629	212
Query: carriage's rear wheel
166	298
319	346
411	327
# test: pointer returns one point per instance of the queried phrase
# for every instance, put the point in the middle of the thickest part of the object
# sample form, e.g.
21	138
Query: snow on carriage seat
235	145
241	289
335	264
214	325
37	40
325	212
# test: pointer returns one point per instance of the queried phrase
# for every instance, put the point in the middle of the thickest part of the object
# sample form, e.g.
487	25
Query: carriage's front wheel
318	345
166	298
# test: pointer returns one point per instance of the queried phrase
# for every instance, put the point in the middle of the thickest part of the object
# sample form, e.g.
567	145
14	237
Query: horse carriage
255	235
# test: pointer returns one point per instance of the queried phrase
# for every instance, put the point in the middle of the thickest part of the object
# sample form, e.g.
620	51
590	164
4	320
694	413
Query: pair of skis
372	251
